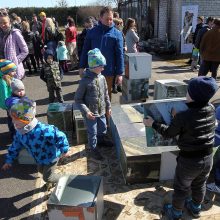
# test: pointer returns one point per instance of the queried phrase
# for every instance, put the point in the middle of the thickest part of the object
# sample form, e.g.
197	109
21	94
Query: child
215	187
50	73
62	57
93	100
7	71
195	57
44	142
196	129
18	91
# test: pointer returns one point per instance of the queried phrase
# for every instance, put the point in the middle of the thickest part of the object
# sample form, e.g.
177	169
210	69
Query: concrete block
77	197
169	88
138	65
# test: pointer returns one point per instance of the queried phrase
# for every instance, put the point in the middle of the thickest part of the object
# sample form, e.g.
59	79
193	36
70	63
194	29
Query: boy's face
19	92
18	124
50	59
97	70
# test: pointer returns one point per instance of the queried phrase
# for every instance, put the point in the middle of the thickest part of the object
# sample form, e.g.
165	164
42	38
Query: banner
189	22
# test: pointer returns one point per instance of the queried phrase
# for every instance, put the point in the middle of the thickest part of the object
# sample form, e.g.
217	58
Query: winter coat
131	39
50	74
71	34
16	50
198	28
30	40
49	35
110	42
5	92
92	94
217	135
210	45
80	41
36	26
62	53
44	142
195	127
200	35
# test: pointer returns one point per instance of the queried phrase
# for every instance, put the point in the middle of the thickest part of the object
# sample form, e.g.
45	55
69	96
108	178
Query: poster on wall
189	21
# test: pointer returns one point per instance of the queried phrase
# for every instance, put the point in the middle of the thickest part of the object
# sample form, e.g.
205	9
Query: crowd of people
99	50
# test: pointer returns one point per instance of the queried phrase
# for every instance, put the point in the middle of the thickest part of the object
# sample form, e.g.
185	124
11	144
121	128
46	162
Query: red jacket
71	34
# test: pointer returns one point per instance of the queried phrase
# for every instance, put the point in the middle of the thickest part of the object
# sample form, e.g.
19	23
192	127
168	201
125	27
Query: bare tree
62	3
113	3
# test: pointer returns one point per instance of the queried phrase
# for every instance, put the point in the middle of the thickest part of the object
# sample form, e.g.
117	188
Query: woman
30	41
131	37
71	34
50	36
12	45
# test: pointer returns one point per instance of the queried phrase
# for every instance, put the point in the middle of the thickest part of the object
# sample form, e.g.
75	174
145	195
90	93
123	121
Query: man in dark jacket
199	25
36	25
196	129
210	51
206	27
109	40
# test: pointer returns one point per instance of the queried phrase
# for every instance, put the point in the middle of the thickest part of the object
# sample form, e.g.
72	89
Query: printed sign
189	21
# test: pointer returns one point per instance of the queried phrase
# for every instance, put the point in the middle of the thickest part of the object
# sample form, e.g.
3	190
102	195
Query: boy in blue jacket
45	143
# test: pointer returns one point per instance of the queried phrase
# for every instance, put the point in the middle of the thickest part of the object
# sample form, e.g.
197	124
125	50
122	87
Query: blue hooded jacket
45	143
110	42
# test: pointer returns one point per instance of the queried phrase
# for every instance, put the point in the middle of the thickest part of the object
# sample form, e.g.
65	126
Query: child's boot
171	213
193	208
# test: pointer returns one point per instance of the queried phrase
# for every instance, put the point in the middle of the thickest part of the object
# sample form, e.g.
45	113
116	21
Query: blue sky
40	3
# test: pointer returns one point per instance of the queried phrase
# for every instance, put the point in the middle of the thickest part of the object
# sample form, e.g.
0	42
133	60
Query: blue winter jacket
62	53
44	142
217	136
110	41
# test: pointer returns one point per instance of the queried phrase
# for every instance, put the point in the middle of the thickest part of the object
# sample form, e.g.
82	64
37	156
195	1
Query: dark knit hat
48	52
202	88
16	84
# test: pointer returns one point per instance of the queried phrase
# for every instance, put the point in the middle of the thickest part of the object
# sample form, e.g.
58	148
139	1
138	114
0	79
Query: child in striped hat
7	71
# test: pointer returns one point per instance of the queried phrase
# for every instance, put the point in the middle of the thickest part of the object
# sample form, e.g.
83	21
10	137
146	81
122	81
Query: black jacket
198	28
29	38
195	127
200	35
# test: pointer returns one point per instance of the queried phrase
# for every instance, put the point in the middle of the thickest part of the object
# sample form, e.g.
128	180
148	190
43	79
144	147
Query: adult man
36	25
210	50
206	27
110	42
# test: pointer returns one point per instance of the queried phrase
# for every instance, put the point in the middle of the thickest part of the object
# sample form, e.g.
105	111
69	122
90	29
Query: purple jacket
16	50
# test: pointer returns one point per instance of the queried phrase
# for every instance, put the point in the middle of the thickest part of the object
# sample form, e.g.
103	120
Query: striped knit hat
6	66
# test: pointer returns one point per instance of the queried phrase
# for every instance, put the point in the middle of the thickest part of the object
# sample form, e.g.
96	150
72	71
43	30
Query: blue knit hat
48	52
6	66
202	88
95	58
217	113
